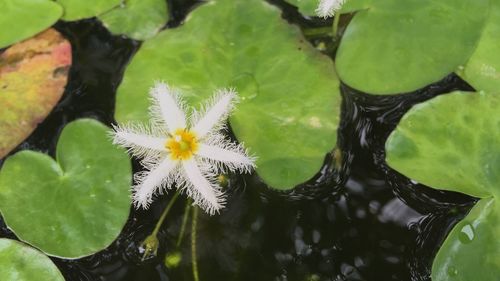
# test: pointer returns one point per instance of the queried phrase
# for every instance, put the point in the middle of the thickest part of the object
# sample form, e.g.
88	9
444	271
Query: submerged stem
317	31
184	222
194	223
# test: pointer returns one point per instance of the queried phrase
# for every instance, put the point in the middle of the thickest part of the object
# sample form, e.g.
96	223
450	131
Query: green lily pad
483	68
29	17
452	142
22	263
401	46
472	249
73	207
81	9
290	100
138	19
33	75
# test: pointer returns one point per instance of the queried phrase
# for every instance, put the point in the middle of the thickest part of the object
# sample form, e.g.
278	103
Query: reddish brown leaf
33	74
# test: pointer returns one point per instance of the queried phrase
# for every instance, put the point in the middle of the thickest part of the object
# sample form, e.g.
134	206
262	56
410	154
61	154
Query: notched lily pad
20	262
33	75
137	19
290	100
81	9
75	206
23	19
452	142
401	46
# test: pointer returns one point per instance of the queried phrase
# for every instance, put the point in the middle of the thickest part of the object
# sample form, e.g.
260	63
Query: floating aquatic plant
75	205
290	99
189	151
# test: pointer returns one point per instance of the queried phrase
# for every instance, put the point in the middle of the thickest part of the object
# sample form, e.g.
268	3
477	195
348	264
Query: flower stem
151	243
194	223
336	20
184	222
165	212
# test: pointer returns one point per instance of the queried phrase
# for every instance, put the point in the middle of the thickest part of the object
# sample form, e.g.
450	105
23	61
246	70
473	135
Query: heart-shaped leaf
22	263
28	17
483	68
290	101
138	19
73	207
452	142
81	9
33	75
401	46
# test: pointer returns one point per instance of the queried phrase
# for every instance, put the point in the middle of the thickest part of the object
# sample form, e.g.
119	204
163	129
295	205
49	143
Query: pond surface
371	225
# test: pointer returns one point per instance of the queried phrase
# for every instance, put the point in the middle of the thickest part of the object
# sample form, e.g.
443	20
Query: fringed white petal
232	156
152	182
215	113
168	108
201	187
328	8
141	141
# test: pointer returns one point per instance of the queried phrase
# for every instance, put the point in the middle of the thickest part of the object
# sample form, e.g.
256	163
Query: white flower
187	151
328	8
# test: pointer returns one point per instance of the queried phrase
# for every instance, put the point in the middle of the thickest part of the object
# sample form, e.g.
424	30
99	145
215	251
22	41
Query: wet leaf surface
452	142
33	75
77	204
472	249
290	101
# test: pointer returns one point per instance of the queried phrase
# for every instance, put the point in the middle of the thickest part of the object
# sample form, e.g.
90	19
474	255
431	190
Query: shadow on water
364	222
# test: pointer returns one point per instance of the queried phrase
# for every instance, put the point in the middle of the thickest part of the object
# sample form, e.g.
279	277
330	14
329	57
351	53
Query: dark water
366	222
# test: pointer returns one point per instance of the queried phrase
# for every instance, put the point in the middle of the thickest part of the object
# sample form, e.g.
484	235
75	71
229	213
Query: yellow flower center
182	145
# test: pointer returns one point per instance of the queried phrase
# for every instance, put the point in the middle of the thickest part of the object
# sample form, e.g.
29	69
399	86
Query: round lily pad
33	75
483	68
452	142
81	9
74	206
137	19
289	93
22	263
401	46
29	17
